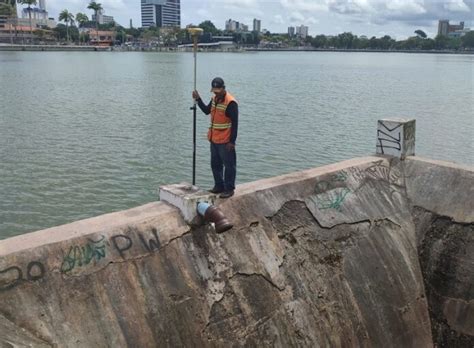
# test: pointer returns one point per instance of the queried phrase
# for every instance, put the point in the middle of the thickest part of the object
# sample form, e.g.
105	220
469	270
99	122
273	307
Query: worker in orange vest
222	135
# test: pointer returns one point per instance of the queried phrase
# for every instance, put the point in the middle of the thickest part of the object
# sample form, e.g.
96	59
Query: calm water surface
83	134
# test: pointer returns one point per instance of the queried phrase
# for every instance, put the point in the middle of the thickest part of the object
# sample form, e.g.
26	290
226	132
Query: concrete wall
324	257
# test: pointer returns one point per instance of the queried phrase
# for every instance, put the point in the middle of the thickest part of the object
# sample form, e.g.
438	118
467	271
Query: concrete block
186	197
396	137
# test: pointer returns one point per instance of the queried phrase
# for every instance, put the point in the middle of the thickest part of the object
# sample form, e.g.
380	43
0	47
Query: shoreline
61	48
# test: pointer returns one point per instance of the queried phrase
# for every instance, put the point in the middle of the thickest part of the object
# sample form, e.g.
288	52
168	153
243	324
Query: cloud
351	6
457	6
278	19
296	17
305	5
311	20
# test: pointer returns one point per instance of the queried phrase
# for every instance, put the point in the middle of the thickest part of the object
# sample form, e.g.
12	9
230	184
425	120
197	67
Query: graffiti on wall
12	276
330	194
80	254
389	138
332	199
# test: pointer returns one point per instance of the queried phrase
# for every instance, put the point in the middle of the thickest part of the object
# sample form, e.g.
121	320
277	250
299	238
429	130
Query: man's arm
205	108
232	112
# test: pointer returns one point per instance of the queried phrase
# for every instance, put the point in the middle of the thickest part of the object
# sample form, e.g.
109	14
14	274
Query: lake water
86	133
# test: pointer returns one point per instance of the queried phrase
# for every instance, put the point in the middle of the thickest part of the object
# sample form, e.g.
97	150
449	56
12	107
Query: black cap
217	83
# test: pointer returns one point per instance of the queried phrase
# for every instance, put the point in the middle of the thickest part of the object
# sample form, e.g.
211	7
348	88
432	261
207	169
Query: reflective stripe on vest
220	128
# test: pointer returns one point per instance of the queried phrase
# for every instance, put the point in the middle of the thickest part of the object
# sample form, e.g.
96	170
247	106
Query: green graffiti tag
79	256
332	199
340	176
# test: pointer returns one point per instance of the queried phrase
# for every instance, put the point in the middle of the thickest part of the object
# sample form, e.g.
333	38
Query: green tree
420	33
255	38
81	19
344	40
454	43
467	40
60	31
8	10
386	42
373	43
319	41
135	32
441	42
96	7
209	27
68	17
428	44
29	3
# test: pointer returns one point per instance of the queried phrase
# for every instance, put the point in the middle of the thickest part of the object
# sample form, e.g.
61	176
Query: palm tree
29	3
67	17
96	7
81	19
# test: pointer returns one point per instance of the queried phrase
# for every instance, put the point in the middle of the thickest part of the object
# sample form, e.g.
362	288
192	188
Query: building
39	17
257	25
161	13
99	37
459	33
302	31
291	31
102	19
446	29
37	14
231	25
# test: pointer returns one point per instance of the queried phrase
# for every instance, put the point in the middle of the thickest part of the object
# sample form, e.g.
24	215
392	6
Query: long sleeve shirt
231	112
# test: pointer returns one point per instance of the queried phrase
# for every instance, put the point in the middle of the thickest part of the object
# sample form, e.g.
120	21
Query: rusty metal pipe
215	215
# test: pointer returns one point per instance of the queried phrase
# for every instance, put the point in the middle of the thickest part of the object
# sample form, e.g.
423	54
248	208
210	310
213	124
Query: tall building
161	13
291	31
232	25
42	4
257	25
102	18
302	31
446	29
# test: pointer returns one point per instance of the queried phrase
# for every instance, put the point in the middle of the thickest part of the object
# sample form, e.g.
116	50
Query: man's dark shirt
231	112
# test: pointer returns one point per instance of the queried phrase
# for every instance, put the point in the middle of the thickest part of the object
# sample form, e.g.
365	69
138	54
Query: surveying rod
195	33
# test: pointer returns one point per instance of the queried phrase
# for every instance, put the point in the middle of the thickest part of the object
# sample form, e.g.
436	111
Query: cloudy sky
398	18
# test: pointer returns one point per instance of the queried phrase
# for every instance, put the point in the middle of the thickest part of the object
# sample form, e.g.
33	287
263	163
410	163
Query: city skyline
397	18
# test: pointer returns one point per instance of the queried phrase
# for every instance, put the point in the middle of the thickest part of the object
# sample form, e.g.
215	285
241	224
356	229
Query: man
222	135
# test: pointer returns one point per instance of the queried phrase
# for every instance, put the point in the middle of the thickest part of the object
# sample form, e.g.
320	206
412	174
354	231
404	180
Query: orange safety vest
219	131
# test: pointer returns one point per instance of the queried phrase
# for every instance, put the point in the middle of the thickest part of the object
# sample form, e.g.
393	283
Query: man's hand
230	147
196	95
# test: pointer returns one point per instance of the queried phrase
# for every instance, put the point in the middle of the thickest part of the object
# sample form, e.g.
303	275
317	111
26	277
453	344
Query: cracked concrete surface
326	257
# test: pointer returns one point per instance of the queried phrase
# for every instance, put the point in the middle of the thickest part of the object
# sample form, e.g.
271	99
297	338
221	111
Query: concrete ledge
186	197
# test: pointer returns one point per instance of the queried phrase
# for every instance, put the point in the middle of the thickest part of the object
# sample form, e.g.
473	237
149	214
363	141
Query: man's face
219	92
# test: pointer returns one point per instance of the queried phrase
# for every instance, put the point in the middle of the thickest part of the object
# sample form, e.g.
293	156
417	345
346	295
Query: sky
397	18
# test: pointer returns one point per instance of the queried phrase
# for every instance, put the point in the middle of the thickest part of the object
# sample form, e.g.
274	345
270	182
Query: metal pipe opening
214	214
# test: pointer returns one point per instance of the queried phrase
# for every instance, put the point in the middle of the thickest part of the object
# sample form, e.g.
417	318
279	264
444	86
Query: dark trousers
224	167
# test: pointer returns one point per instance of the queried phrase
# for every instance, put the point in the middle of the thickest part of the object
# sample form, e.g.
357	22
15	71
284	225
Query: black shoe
216	190
227	194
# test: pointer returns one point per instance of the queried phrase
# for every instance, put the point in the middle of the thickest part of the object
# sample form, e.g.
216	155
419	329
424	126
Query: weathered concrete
325	257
